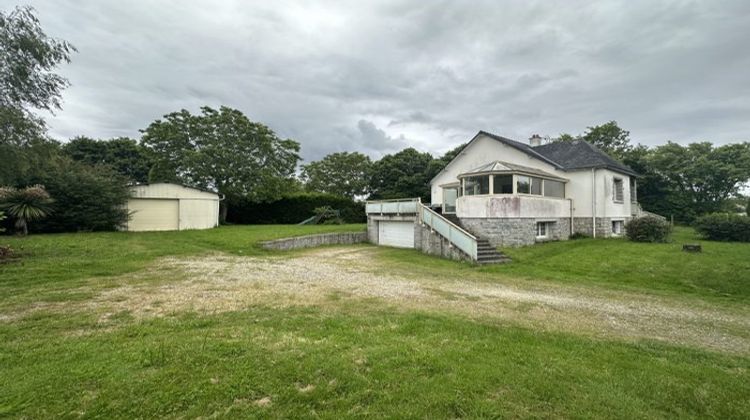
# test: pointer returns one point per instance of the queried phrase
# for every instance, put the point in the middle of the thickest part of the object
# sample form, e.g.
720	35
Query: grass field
72	343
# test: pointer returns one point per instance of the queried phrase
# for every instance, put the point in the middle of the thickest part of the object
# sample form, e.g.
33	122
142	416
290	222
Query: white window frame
542	226
615	181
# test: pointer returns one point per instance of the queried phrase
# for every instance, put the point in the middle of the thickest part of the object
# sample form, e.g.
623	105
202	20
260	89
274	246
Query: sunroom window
503	184
477	185
554	189
528	185
523	185
536	186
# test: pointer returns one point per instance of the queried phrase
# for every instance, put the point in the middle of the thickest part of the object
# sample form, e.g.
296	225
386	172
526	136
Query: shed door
153	214
398	234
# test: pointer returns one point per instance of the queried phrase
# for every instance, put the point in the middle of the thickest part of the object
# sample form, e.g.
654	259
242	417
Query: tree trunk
222	212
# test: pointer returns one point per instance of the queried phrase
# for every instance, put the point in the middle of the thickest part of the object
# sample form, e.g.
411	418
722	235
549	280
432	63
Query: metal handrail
453	225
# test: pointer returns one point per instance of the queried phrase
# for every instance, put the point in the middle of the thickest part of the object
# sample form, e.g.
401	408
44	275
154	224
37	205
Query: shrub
87	198
2	217
724	227
648	229
294	208
25	205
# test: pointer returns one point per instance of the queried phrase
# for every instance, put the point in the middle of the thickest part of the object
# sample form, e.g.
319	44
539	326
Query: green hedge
724	227
293	208
648	229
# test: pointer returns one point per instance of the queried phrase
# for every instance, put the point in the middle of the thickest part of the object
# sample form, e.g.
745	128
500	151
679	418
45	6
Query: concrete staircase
486	253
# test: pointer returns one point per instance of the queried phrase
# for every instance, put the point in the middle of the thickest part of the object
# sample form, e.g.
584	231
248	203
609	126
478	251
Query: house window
528	185
617	190
503	184
617	227
477	185
536	186
554	189
543	229
523	185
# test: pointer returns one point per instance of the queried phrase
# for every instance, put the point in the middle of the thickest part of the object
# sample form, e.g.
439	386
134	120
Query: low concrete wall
310	241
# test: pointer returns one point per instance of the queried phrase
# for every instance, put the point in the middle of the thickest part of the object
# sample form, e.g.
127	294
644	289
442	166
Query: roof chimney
535	140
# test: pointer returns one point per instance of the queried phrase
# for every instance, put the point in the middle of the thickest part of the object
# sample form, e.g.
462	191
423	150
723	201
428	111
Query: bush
648	229
293	208
87	198
724	227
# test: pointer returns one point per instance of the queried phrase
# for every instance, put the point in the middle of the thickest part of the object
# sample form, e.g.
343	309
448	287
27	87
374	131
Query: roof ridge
521	146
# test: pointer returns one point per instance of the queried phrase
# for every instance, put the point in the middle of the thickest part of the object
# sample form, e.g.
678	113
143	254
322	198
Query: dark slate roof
521	146
566	155
580	154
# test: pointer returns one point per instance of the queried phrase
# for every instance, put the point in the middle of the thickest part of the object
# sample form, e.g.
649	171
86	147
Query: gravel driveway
326	277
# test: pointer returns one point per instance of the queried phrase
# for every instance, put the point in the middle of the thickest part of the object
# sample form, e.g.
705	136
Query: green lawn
353	357
721	272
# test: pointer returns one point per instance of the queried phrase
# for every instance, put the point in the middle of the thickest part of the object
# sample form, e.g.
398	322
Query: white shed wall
196	209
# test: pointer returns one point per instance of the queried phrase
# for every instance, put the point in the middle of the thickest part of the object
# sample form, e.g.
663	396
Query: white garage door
398	234
153	214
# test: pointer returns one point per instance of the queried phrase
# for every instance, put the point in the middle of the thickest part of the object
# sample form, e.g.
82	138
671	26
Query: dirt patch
327	277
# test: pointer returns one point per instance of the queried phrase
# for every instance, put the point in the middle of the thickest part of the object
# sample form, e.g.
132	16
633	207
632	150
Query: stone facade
603	225
513	232
432	243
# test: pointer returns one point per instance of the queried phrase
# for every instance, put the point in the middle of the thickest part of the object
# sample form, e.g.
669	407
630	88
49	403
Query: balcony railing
403	206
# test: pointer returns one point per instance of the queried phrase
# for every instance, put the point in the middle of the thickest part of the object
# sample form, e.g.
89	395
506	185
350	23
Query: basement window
543	229
617	227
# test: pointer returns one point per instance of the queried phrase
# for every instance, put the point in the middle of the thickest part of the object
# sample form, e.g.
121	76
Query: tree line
85	181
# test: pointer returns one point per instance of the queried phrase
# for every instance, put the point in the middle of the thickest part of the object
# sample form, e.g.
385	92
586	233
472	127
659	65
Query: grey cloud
377	76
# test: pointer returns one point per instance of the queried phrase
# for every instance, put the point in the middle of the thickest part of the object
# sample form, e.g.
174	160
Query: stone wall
513	232
315	240
603	226
432	243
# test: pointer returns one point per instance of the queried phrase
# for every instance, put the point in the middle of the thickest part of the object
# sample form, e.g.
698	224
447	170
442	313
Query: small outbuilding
164	206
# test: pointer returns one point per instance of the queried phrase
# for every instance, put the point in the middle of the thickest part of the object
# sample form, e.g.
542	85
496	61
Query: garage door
153	214
398	234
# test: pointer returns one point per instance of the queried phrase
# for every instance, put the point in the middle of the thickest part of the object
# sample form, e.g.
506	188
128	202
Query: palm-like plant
25	205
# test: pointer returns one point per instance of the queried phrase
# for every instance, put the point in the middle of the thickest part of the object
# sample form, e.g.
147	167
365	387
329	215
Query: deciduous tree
27	60
223	150
123	154
405	174
344	173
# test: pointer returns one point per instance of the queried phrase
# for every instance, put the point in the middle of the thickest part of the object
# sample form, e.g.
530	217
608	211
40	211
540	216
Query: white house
501	192
514	193
164	206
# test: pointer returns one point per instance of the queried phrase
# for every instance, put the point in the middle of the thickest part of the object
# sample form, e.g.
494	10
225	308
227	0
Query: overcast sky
380	76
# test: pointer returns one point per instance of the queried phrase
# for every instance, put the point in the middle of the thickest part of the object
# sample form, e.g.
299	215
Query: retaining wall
310	241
